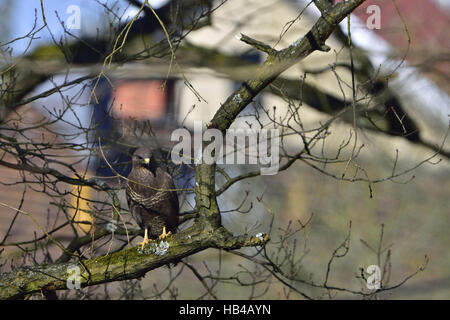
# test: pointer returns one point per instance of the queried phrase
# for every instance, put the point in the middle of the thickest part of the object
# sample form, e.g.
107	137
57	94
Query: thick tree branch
323	5
275	64
122	265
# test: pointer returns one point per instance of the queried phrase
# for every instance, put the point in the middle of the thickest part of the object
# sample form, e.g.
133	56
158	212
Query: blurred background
402	69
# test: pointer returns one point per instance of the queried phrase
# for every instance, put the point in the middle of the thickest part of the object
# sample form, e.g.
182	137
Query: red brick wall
427	24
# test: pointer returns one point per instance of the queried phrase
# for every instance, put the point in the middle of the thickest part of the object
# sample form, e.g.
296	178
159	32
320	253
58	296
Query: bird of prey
151	195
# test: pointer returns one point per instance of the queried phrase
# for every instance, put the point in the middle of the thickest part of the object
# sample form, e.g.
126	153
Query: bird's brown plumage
151	195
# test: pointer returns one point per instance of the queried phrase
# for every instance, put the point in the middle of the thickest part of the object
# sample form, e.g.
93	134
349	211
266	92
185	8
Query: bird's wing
146	200
170	185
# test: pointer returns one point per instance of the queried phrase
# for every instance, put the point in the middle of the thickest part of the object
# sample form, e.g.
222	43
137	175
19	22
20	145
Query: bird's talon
145	240
144	243
164	234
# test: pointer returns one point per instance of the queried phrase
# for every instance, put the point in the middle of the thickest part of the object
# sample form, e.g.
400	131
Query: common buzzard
151	195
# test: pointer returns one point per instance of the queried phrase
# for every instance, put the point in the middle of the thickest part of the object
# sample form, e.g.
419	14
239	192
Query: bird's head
142	158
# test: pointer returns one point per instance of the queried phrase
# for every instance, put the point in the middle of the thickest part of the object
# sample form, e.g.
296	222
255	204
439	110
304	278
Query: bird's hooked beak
147	160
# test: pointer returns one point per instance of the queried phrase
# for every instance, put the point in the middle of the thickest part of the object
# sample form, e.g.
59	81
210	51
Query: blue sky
22	14
22	17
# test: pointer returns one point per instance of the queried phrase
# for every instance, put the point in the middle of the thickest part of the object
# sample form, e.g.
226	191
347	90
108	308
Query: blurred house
160	106
142	107
143	94
426	22
131	112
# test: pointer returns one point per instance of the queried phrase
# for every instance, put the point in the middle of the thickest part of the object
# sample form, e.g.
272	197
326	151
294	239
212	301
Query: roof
425	24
